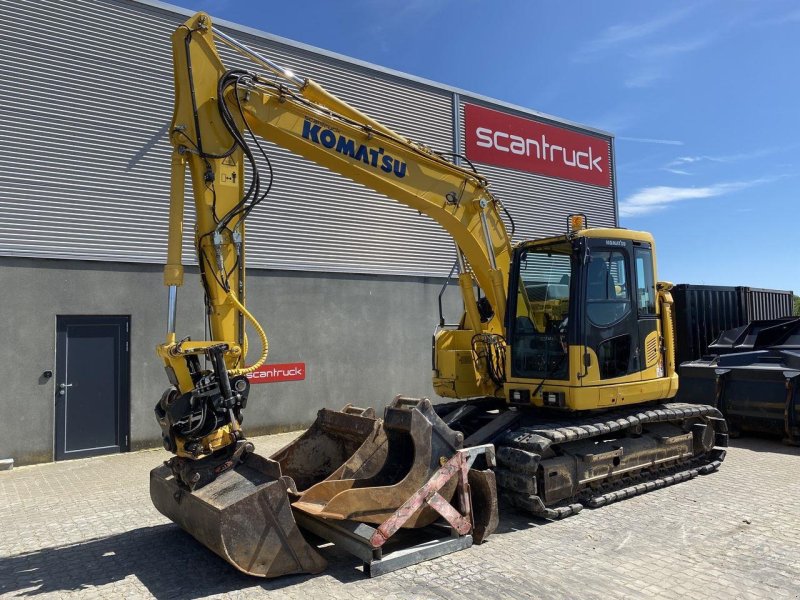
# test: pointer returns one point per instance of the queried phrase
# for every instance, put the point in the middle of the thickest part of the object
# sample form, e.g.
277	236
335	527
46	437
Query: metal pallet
354	538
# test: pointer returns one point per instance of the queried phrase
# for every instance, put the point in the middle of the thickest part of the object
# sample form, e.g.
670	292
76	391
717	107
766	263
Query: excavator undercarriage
553	465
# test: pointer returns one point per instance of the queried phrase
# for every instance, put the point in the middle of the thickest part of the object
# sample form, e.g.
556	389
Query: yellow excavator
563	357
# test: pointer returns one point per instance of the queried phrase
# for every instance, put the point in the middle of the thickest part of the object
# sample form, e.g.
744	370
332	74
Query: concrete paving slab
86	528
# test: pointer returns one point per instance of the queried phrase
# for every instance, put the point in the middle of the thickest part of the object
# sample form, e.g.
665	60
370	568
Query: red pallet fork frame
370	543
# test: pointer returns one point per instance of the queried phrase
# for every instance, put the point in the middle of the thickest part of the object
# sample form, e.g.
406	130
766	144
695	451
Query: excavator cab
586	324
583	316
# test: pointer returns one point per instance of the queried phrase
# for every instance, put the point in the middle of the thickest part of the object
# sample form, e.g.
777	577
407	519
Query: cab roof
611	233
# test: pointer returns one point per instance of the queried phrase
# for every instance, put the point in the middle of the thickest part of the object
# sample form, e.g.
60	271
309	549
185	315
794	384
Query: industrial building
345	281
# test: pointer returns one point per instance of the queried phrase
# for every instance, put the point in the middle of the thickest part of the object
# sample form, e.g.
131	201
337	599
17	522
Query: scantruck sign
278	372
504	140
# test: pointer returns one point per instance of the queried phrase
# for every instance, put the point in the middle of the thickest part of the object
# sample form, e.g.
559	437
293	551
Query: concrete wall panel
364	339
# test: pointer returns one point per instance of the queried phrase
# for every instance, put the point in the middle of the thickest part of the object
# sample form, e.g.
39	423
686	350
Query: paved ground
87	528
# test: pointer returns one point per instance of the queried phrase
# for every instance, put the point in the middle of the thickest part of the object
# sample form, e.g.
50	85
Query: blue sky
703	96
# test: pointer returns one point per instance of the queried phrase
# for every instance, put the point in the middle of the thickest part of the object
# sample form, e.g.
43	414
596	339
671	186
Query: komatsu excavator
563	357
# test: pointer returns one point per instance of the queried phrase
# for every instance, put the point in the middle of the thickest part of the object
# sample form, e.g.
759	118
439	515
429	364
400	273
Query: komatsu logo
540	148
372	157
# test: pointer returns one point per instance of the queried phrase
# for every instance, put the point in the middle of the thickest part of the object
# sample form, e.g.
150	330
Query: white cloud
687	160
657	60
790	17
618	119
677	171
652	199
651	141
416	12
673	49
682	161
420	10
644	78
627	32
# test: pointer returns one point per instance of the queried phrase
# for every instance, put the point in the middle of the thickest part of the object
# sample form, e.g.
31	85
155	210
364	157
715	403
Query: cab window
540	327
645	281
607	293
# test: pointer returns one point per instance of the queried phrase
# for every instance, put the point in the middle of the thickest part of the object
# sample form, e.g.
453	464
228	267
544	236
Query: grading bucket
245	515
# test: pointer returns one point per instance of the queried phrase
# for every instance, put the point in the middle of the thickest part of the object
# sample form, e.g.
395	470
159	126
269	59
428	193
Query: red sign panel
504	140
278	372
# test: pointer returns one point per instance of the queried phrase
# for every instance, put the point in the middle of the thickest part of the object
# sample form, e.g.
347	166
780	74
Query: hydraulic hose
261	334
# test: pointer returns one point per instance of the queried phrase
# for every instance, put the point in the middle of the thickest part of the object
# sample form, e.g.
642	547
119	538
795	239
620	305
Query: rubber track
538	438
557	433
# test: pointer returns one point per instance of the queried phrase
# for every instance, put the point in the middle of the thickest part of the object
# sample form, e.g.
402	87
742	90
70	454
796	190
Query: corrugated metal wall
766	304
84	156
538	204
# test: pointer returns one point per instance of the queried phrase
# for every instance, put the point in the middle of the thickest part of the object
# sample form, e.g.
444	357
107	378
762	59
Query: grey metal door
92	387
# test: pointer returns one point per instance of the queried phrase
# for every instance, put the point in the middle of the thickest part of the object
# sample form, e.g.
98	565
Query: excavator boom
215	486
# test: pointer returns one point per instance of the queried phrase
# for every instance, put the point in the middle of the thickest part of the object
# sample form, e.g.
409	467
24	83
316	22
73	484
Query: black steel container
702	312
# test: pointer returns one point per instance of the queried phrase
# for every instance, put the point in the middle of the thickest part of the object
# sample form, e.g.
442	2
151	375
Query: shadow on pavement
763	443
513	519
169	563
166	560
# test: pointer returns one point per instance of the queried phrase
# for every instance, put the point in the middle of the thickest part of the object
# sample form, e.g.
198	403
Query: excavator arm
216	111
216	487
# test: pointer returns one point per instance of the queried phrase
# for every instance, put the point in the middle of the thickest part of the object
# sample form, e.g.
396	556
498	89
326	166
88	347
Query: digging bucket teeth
338	445
418	443
244	516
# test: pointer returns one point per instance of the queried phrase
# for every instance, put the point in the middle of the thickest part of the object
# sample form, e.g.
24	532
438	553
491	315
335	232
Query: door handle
65	385
63	390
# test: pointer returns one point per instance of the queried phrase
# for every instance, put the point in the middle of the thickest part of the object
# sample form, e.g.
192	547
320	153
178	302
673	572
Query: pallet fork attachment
419	443
386	548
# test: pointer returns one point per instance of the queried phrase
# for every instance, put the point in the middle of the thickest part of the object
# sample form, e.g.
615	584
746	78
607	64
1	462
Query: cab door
645	300
611	322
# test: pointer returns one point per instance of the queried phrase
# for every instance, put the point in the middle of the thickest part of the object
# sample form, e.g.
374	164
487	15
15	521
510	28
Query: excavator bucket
339	444
418	444
244	515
